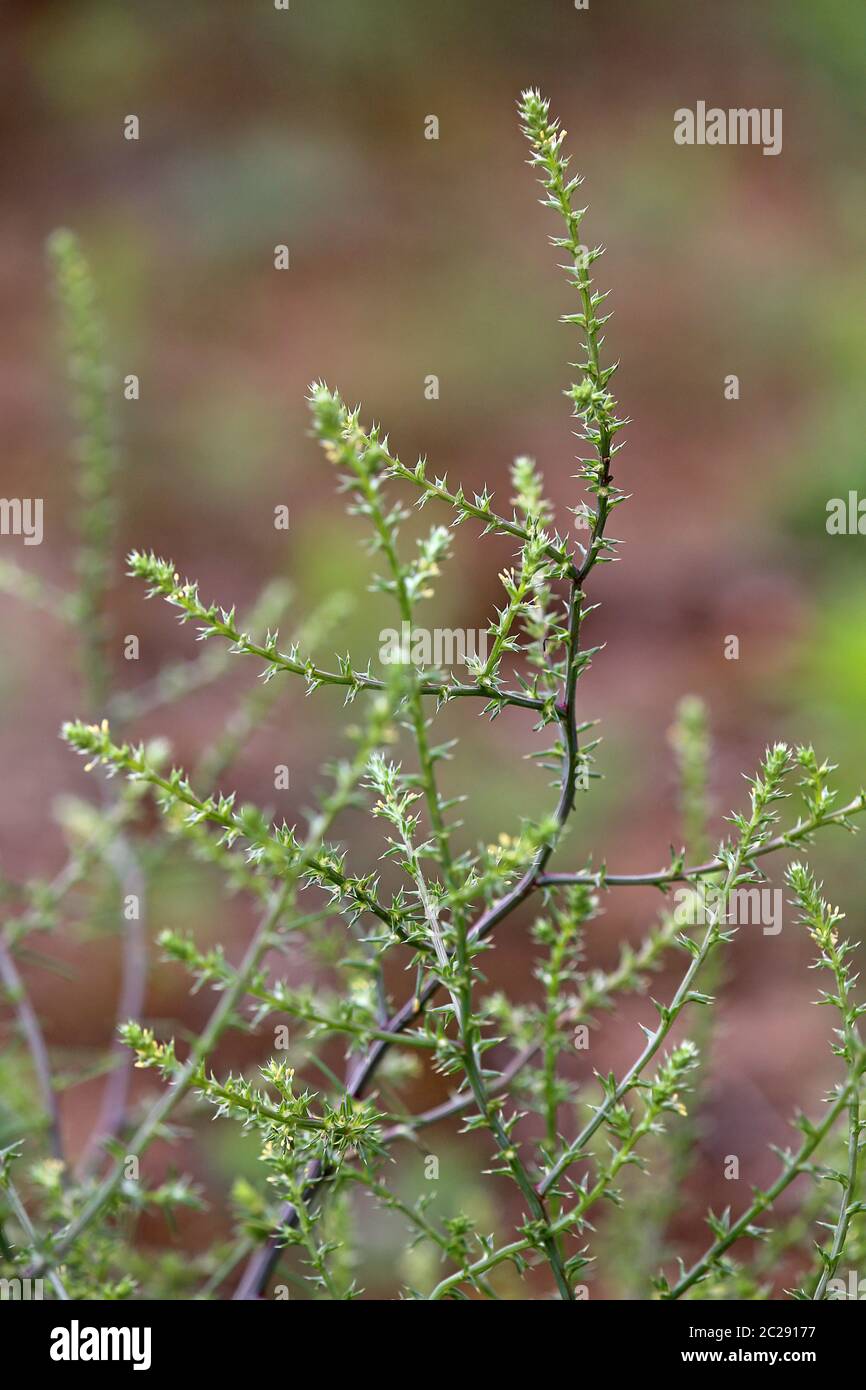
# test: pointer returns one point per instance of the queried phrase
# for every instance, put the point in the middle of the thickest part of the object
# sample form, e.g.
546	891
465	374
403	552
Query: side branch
679	873
164	580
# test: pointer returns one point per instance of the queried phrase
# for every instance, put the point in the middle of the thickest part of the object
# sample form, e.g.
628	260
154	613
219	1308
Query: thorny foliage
563	1138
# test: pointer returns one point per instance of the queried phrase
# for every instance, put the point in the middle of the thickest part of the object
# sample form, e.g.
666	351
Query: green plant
432	908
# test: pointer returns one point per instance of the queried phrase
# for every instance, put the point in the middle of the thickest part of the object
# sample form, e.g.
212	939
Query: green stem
678	874
791	1169
740	857
26	1225
167	1102
222	1015
843	1221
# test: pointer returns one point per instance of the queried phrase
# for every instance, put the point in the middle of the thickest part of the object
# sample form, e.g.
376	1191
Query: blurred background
412	257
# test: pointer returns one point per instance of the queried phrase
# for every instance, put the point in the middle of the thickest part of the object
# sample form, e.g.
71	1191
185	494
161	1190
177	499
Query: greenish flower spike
97	459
